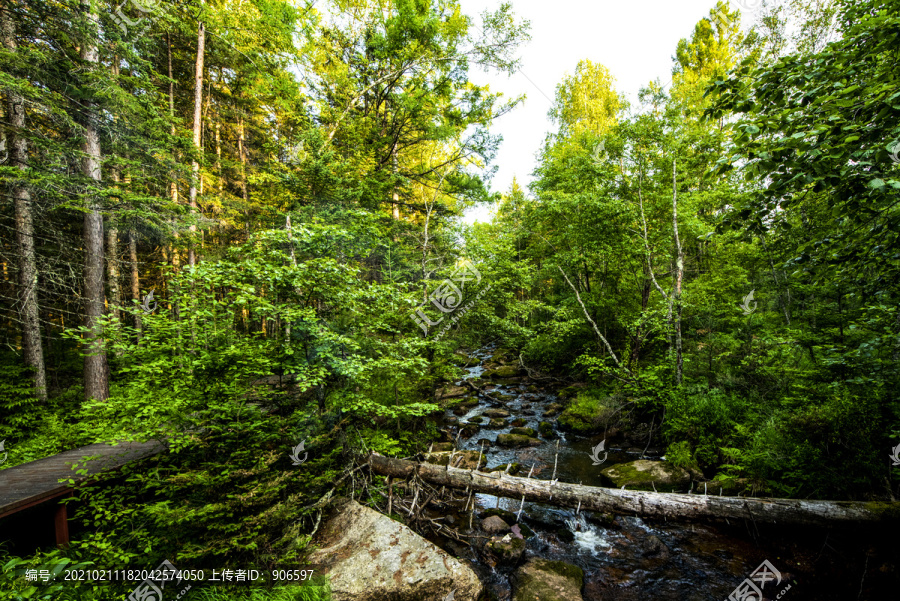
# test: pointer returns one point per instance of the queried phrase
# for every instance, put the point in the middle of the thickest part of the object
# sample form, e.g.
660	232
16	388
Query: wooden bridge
47	479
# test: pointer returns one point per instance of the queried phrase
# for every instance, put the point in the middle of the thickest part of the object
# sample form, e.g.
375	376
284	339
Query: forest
235	232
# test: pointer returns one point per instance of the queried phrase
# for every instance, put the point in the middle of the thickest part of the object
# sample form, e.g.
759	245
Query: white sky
634	39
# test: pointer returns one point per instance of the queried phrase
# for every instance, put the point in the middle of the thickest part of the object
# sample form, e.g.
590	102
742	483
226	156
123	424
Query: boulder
467	460
496	424
494	524
644	474
518	422
546	429
370	557
524	432
546	580
495	413
553	409
450	392
503	372
517	440
505	550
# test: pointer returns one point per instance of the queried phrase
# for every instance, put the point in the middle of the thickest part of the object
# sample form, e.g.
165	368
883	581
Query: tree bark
135	280
679	278
26	297
96	372
242	153
648	504
198	113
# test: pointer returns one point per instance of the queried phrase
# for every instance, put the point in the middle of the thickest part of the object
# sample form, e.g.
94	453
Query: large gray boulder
370	557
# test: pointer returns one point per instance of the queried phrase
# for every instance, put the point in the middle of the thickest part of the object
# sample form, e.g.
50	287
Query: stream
629	558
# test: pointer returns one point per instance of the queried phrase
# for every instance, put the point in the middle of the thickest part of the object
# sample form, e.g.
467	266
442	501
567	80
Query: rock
507	516
494	524
495	413
506	397
485	442
517	440
553	409
450	392
524	432
528	412
518	422
585	415
571	391
644	474
462	406
467	460
506	550
514	468
654	547
451	421
546	580
370	557
496	424
440	447
503	372
533	389
469	430
476	420
546	429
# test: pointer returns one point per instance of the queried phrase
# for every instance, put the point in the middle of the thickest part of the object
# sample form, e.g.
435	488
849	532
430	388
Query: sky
634	39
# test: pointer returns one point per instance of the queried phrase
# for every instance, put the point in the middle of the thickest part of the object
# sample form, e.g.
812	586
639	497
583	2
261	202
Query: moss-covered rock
546	430
440	447
518	422
503	372
554	409
524	432
496	424
514	468
469	430
546	580
587	414
644	474
476	420
450	392
506	550
533	389
495	413
517	440
466	460
570	391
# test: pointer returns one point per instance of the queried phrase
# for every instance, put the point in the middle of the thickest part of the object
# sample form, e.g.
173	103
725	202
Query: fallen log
646	504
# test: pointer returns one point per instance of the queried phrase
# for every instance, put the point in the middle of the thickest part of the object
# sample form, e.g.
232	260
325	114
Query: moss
514	469
518	422
644	475
524	432
553	409
547	580
546	430
476	420
495	413
517	440
503	371
587	414
497	424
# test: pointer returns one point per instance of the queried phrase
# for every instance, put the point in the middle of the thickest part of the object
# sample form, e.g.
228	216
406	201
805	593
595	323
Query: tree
27	298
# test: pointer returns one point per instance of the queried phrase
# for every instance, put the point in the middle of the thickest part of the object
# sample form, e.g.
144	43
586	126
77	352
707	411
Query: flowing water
628	558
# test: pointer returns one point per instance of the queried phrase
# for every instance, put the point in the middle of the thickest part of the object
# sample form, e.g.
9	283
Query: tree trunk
242	153
96	373
648	504
679	278
26	297
135	280
198	110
